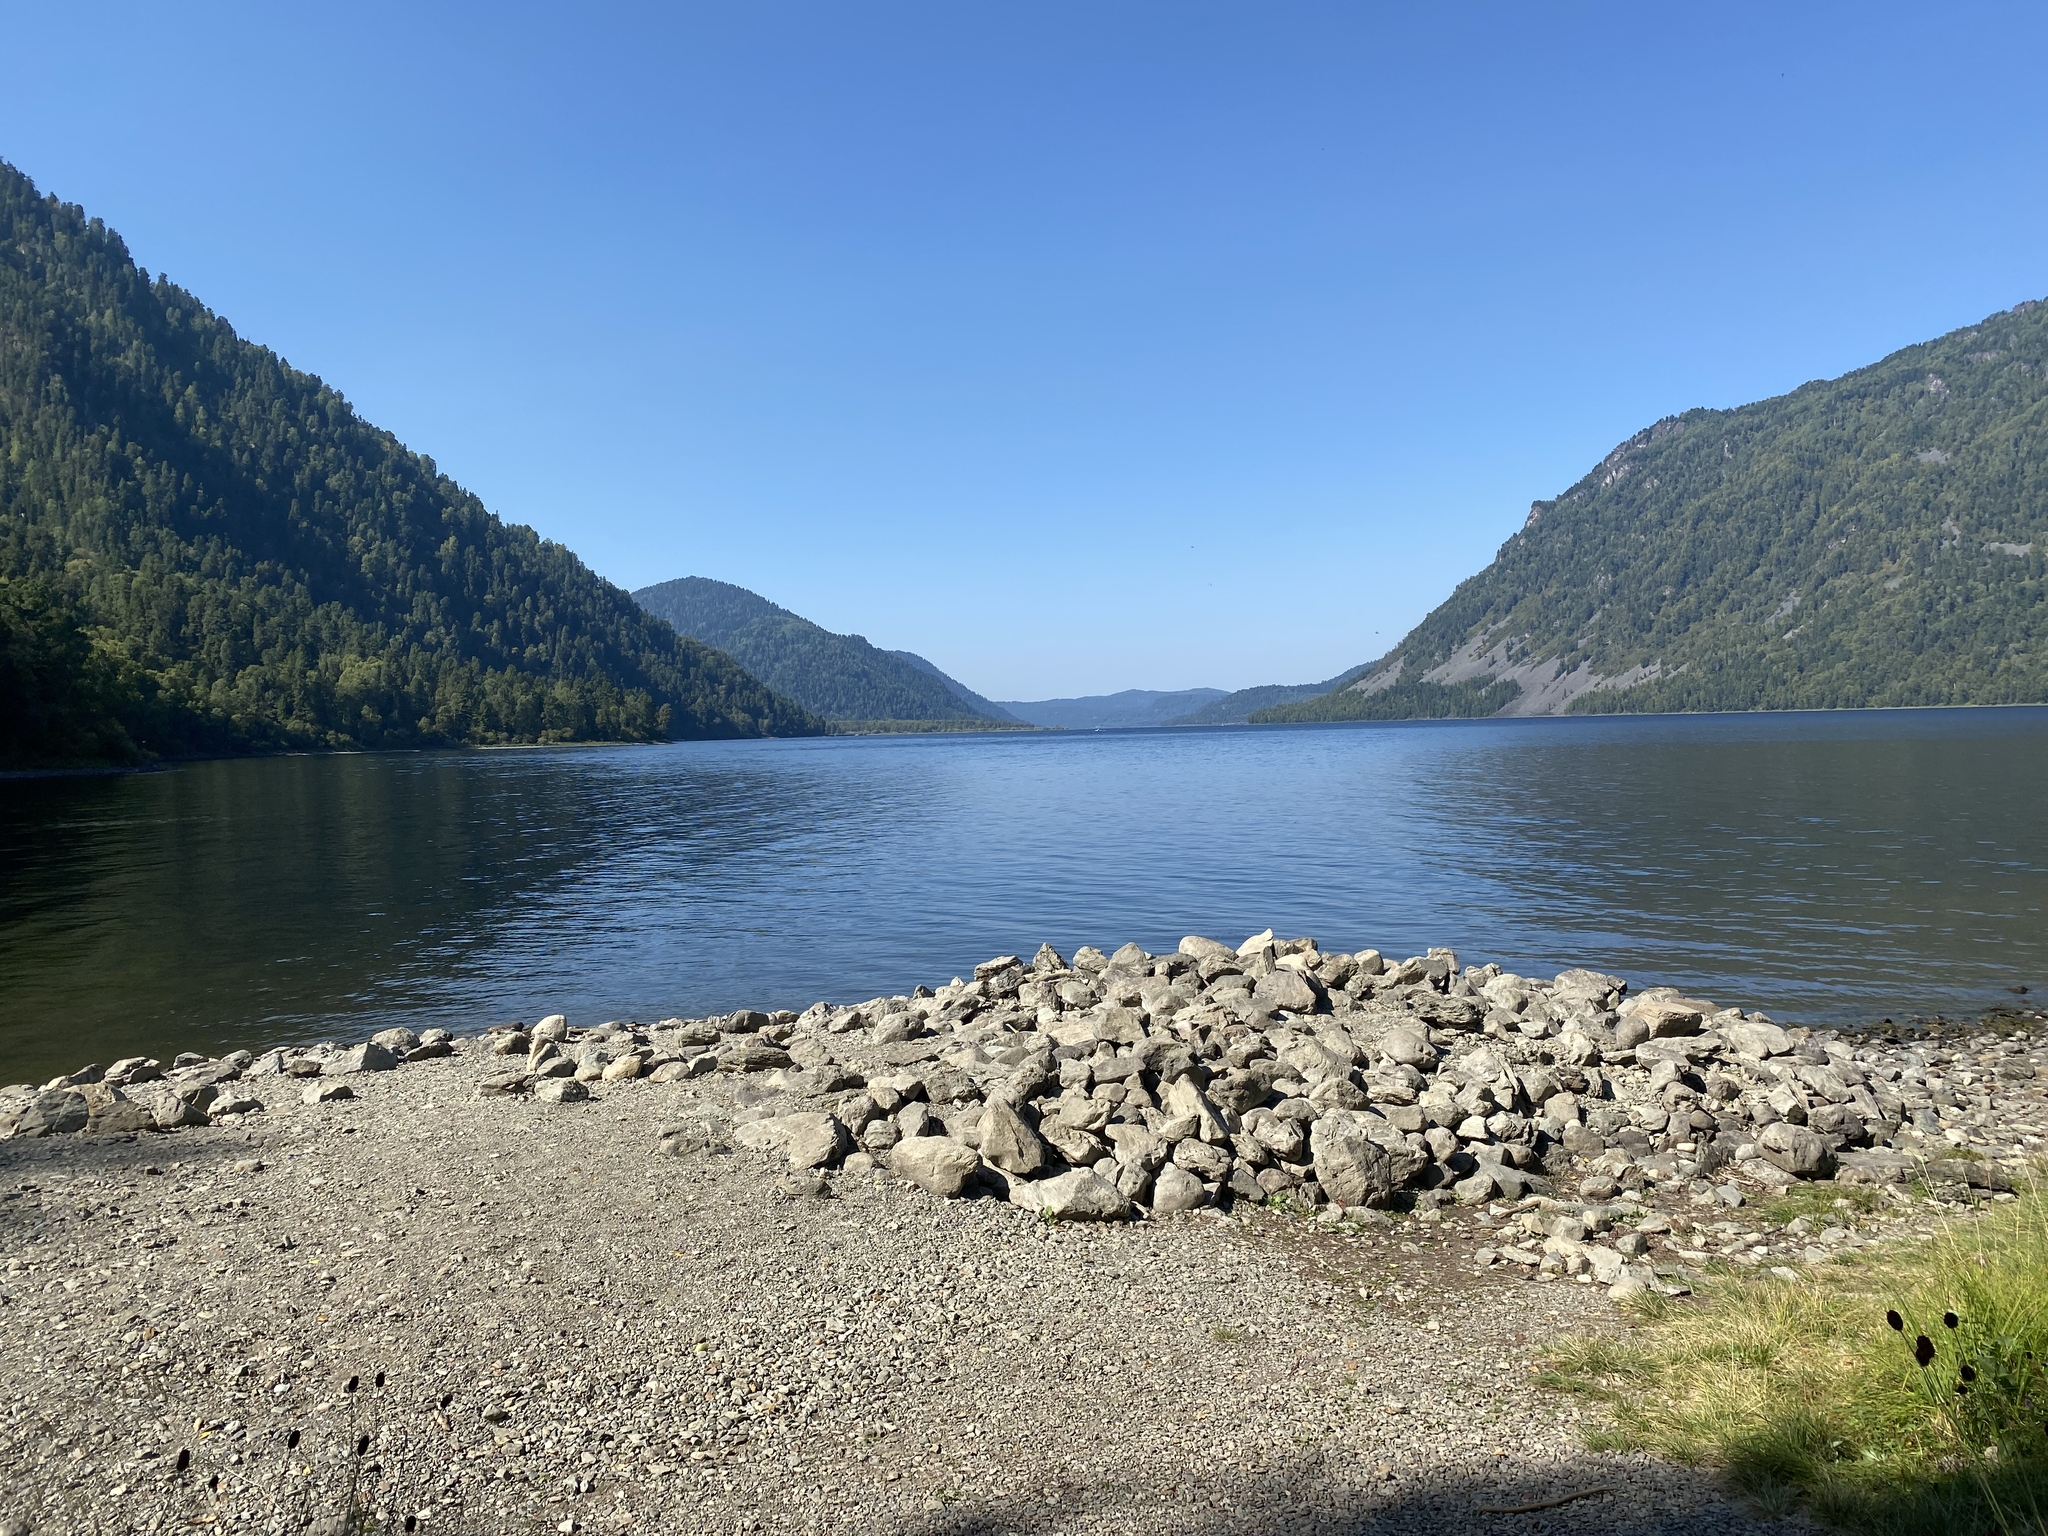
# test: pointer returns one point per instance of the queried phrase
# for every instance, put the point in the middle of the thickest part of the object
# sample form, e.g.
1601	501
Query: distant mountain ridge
1879	539
841	677
1237	708
1133	708
204	550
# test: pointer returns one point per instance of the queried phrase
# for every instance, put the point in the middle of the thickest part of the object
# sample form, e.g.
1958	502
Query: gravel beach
652	1292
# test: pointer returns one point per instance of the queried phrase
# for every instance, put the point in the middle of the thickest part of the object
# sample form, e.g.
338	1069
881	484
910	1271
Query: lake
1827	868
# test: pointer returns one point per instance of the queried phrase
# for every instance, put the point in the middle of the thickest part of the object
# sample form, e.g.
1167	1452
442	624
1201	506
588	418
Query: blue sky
1077	347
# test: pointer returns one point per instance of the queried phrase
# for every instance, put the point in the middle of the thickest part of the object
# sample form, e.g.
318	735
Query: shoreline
848	1264
854	730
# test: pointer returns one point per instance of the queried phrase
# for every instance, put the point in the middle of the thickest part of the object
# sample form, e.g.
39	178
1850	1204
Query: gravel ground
574	1333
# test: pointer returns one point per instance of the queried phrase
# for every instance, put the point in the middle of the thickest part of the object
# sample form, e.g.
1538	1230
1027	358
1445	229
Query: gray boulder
1289	989
1175	1189
1795	1149
1202	1160
1352	1168
748	1053
1754	1037
807	1140
936	1163
54	1112
367	1057
1075	1196
1009	1143
556	1090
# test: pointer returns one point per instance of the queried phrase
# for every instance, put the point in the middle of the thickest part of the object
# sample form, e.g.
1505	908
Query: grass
1906	1396
1814	1200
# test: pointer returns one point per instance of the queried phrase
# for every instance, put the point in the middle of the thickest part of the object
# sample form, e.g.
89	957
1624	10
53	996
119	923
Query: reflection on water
1823	867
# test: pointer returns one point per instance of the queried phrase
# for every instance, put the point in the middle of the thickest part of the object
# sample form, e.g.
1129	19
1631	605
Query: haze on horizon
1077	351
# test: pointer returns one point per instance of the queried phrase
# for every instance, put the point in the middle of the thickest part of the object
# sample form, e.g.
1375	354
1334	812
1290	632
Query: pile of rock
1136	1083
140	1093
1132	1084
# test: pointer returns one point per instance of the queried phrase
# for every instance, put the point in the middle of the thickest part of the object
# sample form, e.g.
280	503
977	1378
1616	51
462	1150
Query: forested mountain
960	690
1877	539
205	550
841	677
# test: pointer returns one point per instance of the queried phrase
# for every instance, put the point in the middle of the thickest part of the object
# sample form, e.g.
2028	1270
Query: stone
1082	1149
326	1092
626	1068
1409	1046
1665	1019
130	1070
1477	1188
553	1027
397	1041
1971	1171
367	1057
1754	1037
53	1112
1184	1098
1289	989
1351	1167
1796	1150
1204	1161
503	1085
808	1140
893	1092
123	1117
560	1090
1285	1139
511	1042
751	1054
682	1137
231	1102
1075	1196
935	1163
1175	1189
949	1085
1009	1143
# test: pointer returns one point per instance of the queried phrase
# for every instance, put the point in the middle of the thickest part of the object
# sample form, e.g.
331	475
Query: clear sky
1076	346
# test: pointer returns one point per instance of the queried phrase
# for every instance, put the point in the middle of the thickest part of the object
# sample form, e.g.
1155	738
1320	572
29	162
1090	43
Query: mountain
1113	711
961	691
203	549
1879	539
1236	708
841	677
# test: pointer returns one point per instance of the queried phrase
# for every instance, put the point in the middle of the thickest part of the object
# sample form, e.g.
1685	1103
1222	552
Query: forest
204	550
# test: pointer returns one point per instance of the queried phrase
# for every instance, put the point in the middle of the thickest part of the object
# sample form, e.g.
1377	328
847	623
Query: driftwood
1530	1509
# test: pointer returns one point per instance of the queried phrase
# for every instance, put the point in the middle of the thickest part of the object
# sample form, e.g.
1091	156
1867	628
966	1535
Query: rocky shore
1234	1237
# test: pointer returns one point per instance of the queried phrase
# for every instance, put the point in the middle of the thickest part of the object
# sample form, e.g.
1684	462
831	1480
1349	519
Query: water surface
1824	867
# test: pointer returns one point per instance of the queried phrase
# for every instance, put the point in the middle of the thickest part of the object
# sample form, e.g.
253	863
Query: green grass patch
1804	1393
1816	1201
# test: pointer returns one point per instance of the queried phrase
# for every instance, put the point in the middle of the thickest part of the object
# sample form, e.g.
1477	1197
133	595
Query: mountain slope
248	565
960	690
1133	708
1877	539
841	677
1237	708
